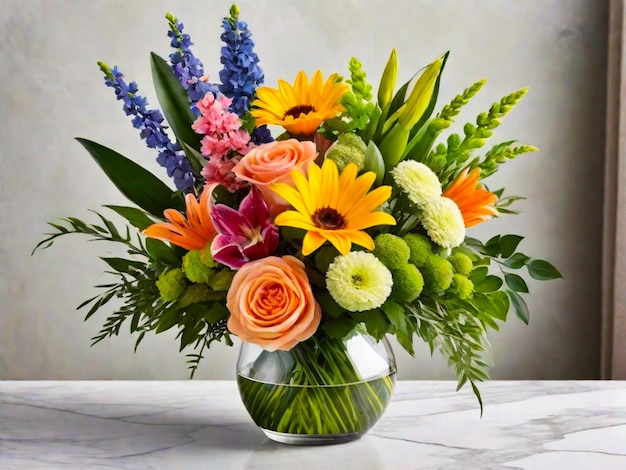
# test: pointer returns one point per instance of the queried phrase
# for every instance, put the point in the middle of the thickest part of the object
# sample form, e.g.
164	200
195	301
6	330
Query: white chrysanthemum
443	221
358	281
418	181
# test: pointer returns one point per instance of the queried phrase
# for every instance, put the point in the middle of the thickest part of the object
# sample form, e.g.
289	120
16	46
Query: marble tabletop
203	425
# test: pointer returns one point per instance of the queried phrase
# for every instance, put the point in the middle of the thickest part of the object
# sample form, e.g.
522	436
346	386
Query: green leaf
516	282
489	284
216	313
168	320
196	159
328	304
478	274
374	162
542	270
174	102
375	322
519	304
160	251
395	315
136	217
516	261
508	244
338	327
124	265
492	247
137	184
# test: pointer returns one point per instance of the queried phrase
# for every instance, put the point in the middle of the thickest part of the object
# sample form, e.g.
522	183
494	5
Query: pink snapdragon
224	141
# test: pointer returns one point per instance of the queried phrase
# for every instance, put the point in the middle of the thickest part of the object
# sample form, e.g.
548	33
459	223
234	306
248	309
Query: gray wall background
52	91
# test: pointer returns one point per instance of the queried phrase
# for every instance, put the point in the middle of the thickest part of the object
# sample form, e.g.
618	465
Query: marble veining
203	425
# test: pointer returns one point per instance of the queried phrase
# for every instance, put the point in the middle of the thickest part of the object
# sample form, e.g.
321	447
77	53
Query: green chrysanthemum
418	181
443	221
358	281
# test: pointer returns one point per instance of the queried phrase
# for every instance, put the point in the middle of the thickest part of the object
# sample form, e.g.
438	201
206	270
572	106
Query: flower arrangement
352	216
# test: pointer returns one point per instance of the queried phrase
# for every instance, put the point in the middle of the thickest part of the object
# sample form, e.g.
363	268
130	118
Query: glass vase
322	391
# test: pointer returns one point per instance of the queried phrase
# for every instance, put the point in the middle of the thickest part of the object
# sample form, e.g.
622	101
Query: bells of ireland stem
388	80
394	143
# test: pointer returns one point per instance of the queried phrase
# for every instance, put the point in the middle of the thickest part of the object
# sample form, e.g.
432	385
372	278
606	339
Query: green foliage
174	103
138	287
501	249
137	184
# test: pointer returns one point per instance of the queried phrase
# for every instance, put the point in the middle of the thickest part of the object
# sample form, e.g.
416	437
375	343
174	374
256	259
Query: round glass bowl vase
323	391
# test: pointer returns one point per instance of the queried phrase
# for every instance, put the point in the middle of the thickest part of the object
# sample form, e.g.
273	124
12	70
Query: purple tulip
243	235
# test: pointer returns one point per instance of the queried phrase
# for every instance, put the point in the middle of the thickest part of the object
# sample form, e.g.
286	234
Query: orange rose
272	163
271	303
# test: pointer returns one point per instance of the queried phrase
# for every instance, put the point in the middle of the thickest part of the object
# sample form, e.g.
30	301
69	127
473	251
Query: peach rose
272	163
271	303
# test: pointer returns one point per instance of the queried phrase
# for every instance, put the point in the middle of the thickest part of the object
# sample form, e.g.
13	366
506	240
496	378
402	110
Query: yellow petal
311	242
294	219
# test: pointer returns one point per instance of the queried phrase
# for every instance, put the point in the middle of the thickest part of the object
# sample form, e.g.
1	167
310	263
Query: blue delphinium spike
186	66
149	123
241	73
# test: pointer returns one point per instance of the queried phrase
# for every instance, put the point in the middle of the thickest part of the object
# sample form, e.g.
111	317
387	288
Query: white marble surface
203	425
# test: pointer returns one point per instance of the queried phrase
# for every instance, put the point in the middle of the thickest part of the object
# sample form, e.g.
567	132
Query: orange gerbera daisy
333	207
194	232
475	202
300	108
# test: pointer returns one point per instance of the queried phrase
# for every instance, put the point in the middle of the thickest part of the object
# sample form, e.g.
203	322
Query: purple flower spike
243	235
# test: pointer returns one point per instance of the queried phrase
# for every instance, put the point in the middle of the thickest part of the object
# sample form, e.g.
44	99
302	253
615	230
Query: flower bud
388	81
420	96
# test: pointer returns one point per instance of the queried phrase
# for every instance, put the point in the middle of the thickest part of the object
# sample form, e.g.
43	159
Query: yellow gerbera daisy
300	108
333	207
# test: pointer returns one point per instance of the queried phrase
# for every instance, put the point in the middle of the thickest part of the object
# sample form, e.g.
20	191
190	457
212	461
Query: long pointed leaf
136	183
174	102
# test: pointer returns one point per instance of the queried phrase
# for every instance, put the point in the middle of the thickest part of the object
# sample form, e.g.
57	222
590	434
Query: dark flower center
328	219
299	109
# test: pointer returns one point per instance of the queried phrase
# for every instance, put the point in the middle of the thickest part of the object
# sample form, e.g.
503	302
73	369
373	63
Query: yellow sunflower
300	108
333	207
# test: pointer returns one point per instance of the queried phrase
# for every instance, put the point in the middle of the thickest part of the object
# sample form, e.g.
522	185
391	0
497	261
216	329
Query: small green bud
391	250
420	248
198	293
171	284
234	11
221	280
349	148
437	274
461	263
407	283
206	257
195	269
463	287
438	163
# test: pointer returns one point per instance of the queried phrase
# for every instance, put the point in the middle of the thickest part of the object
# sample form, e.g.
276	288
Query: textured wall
51	91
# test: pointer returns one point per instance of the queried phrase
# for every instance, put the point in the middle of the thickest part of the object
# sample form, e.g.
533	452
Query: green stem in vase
316	390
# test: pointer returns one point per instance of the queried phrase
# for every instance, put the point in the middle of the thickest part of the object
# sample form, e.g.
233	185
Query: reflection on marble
203	425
